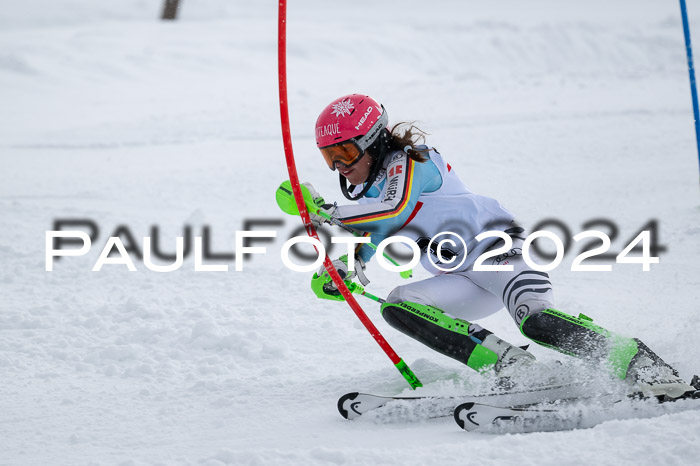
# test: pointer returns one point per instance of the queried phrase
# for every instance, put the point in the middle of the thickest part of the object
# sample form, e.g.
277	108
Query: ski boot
515	366
655	377
628	358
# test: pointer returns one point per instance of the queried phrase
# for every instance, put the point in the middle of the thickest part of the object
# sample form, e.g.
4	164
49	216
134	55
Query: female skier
405	188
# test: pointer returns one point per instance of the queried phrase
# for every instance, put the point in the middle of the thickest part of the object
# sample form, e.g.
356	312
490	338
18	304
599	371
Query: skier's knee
537	326
419	319
528	293
407	293
395	295
398	318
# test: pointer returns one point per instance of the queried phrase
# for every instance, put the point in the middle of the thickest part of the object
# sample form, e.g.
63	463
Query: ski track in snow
575	110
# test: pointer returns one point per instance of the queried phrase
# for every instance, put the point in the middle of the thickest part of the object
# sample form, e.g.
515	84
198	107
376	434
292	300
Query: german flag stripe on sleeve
359	246
394	212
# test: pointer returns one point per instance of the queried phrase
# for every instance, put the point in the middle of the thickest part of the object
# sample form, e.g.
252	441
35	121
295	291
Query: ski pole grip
285	200
408	374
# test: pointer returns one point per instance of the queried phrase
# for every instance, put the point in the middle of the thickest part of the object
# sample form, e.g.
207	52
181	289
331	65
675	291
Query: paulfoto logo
446	251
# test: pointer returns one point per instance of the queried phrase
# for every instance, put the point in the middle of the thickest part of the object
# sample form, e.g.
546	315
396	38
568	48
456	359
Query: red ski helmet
347	127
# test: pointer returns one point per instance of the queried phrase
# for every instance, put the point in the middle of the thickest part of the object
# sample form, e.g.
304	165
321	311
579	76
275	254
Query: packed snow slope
574	111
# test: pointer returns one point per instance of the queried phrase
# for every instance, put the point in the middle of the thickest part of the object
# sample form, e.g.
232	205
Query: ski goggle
350	152
347	153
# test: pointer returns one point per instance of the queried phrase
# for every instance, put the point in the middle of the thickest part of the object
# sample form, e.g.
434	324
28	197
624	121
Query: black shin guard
578	336
441	333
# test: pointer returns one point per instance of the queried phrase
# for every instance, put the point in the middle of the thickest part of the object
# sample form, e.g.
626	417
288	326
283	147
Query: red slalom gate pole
303	212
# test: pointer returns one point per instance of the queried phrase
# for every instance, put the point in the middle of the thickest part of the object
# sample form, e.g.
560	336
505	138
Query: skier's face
359	172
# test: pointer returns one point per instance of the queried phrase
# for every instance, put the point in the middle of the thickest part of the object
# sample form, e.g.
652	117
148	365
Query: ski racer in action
404	188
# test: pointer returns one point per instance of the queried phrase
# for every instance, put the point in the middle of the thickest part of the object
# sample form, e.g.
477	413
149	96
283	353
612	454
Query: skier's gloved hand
322	283
319	211
341	265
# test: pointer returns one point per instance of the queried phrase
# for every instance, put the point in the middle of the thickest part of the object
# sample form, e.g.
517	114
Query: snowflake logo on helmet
342	107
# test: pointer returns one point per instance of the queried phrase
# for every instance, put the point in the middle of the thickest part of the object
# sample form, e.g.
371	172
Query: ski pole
691	73
399	363
358	289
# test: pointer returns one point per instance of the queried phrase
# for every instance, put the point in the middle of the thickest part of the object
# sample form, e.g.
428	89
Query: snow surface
568	110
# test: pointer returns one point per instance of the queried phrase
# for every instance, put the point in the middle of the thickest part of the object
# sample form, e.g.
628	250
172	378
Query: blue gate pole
691	73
